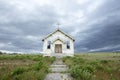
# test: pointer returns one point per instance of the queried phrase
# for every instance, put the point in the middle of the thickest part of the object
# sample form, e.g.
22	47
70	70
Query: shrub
53	59
113	78
99	67
5	77
1	52
86	75
75	71
108	69
104	61
94	63
49	59
37	58
18	71
38	66
89	68
78	60
80	73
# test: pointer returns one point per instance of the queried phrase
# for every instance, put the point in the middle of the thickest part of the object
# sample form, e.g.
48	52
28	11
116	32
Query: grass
94	66
24	67
90	66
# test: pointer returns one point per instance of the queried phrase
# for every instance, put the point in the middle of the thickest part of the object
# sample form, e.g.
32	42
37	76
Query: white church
58	43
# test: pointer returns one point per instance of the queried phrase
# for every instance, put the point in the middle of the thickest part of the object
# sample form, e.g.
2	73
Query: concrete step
58	55
59	66
58	76
58	70
58	62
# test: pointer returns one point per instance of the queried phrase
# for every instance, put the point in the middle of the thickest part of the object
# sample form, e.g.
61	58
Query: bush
108	69
94	63
53	59
18	71
37	58
49	59
89	68
104	61
75	71
1	52
38	65
81	73
86	75
78	60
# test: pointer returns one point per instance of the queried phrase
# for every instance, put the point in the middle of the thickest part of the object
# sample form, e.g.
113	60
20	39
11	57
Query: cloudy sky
95	24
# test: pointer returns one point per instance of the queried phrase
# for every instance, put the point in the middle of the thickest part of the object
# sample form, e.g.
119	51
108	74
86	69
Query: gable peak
58	30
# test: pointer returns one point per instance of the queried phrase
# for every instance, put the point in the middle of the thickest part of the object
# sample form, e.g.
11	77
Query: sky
94	24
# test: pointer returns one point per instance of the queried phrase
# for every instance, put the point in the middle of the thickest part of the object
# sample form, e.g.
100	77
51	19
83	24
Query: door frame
60	48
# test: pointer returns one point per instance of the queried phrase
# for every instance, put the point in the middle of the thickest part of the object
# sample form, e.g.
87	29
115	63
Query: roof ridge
58	29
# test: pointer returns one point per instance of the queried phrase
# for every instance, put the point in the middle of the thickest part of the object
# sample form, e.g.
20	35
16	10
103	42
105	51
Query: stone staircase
58	71
58	67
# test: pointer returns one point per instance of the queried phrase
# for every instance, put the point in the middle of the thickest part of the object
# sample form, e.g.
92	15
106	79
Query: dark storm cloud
94	24
19	28
104	37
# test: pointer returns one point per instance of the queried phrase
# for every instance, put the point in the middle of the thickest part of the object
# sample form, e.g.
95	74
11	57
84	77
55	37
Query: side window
49	45
68	44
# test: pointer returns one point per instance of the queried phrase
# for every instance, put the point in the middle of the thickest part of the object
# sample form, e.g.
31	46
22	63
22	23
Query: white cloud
95	5
34	38
7	51
42	2
7	45
2	45
82	2
13	30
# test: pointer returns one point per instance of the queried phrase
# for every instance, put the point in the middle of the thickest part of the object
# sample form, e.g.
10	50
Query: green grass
24	67
94	66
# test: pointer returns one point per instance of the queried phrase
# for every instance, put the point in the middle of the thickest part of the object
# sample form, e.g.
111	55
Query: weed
18	71
85	66
35	71
104	61
113	78
108	70
81	73
78	60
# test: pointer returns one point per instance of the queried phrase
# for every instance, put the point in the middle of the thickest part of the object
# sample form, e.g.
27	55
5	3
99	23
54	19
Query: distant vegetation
102	66
2	53
24	67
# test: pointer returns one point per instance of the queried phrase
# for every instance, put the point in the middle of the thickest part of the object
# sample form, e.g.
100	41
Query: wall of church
63	38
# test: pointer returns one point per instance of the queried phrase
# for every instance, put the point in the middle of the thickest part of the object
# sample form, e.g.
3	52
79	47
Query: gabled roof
59	40
59	31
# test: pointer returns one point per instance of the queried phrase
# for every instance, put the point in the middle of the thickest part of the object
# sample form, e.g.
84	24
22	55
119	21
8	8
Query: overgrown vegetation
100	66
24	67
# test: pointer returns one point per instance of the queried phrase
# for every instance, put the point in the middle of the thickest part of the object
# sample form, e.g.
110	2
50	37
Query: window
49	45
68	44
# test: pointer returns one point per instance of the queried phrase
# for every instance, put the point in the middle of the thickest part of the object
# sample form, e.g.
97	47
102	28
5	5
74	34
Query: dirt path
58	71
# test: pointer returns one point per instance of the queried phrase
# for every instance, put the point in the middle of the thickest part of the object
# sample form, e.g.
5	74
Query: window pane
68	44
49	45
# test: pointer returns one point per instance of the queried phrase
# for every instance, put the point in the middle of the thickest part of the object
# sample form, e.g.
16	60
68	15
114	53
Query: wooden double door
58	48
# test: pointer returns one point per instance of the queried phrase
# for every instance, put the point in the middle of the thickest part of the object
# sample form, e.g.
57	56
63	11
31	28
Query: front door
58	48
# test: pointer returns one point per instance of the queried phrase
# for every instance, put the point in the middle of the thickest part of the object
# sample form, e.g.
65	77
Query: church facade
58	43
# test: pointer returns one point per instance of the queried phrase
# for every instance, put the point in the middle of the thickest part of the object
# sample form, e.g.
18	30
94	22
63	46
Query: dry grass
104	66
24	67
